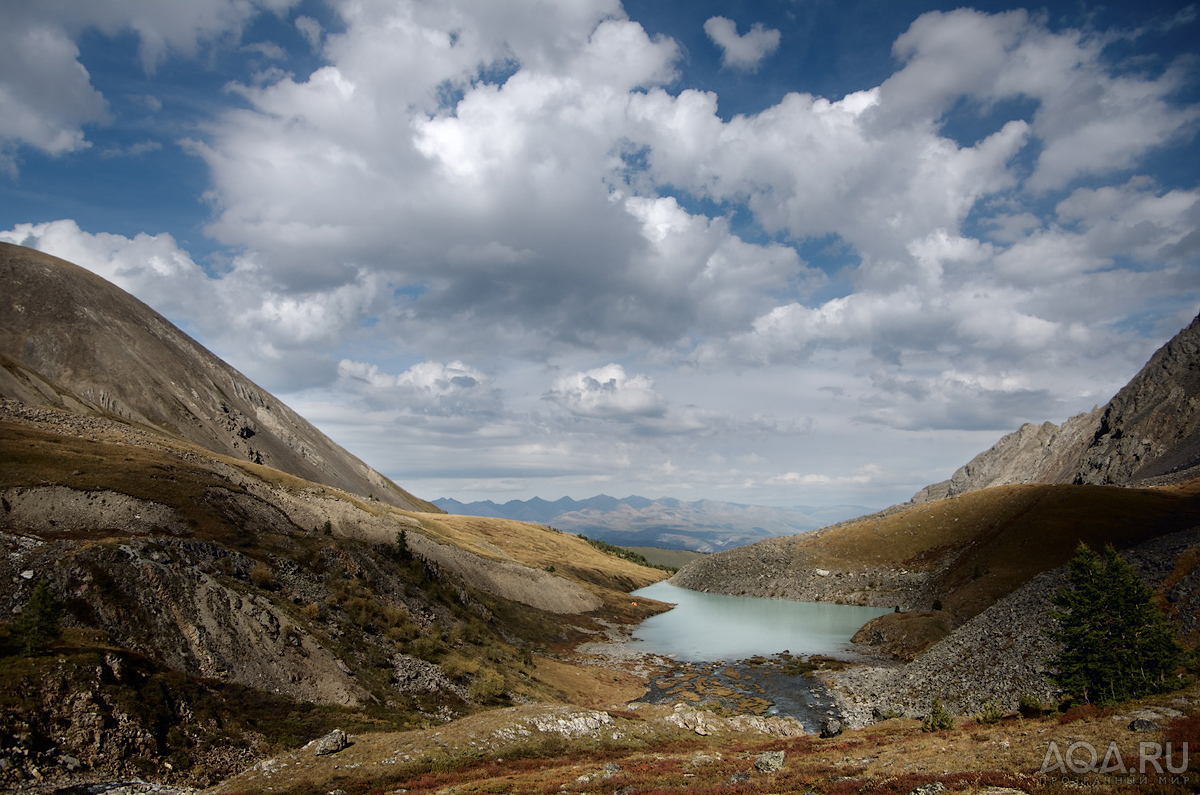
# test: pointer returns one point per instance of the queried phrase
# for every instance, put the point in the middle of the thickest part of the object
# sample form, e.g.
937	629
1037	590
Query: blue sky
778	253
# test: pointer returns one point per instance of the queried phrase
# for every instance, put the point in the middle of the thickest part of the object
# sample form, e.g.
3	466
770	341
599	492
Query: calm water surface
706	626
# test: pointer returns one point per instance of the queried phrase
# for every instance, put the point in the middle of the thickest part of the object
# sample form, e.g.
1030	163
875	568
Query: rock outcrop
1045	453
1150	432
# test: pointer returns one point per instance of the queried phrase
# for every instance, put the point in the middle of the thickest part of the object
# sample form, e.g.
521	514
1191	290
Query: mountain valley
245	607
971	564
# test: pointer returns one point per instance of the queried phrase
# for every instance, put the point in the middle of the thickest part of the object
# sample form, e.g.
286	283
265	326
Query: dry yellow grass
537	546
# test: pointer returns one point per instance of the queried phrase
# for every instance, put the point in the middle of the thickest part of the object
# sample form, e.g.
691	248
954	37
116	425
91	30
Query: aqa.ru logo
1081	757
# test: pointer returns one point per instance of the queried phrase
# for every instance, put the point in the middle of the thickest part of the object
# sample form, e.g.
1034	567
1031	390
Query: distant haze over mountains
703	525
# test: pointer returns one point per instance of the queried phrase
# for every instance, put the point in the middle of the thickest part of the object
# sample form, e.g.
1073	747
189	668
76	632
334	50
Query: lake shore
782	685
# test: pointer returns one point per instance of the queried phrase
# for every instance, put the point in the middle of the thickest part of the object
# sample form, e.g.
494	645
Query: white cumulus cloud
742	52
607	392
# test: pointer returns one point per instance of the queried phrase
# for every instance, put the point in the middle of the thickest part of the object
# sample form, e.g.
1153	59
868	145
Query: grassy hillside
985	544
964	552
674	558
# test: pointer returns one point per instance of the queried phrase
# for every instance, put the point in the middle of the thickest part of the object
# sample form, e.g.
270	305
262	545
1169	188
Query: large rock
331	743
769	761
830	727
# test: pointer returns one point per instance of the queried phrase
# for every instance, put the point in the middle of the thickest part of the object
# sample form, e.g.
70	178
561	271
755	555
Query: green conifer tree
37	624
1116	644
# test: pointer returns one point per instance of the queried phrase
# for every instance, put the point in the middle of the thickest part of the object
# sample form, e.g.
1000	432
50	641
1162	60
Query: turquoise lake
704	626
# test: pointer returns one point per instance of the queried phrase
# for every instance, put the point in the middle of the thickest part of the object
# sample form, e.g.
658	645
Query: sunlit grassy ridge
986	543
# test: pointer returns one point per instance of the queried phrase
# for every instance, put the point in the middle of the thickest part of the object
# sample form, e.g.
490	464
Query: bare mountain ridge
73	341
1148	434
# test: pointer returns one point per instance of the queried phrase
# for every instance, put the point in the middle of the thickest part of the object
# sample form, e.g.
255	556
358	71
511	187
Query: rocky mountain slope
700	526
1000	655
71	340
1148	434
242	595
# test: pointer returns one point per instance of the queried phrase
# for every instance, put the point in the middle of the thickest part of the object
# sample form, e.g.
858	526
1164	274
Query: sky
790	253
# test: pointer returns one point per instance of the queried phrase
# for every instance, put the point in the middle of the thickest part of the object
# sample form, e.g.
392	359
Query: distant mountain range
702	526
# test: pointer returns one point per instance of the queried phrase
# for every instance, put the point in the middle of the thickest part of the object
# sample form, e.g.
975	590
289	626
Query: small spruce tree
37	624
1116	644
403	553
938	718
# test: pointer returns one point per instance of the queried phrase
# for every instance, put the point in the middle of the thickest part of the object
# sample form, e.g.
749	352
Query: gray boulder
331	743
769	761
831	727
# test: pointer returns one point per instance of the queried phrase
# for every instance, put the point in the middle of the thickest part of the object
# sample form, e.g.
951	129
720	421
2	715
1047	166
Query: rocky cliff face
71	340
1045	453
1148	434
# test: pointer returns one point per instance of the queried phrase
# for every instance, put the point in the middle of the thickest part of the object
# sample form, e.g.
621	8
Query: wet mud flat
783	685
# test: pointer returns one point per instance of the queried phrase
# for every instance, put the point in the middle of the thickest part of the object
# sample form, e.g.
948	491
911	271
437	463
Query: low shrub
486	686
1031	707
262	576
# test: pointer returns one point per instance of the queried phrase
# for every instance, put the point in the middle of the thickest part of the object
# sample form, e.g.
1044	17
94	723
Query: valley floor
698	737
